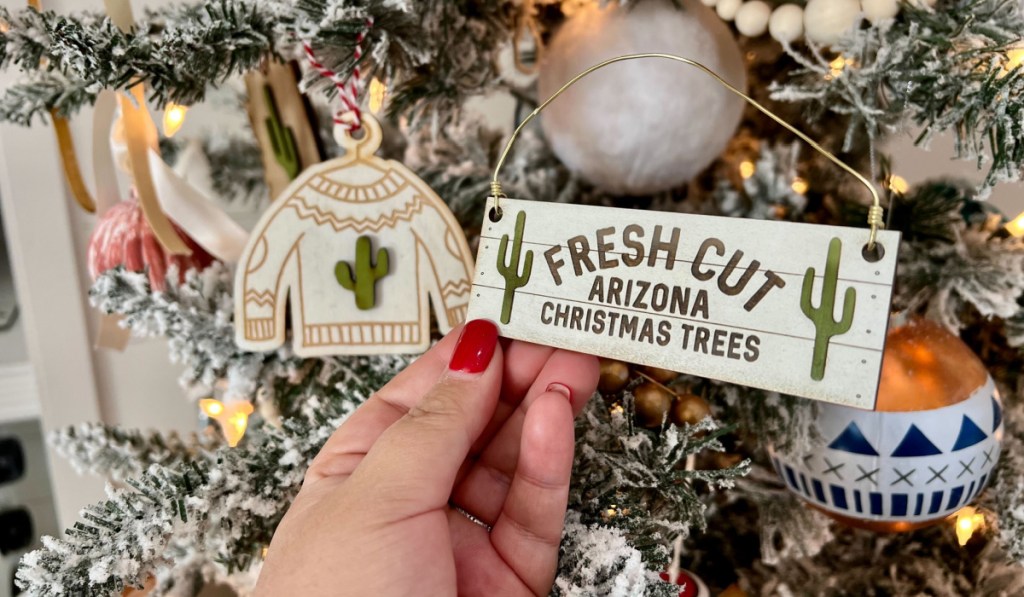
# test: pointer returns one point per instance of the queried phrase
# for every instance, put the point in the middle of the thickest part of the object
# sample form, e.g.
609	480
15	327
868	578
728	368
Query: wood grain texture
295	114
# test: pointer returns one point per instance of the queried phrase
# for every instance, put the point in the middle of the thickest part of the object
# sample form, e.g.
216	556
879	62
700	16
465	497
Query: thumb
416	461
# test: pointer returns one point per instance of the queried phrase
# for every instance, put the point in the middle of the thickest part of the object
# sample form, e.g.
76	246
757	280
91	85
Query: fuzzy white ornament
825	21
727	9
786	24
645	125
752	18
877	11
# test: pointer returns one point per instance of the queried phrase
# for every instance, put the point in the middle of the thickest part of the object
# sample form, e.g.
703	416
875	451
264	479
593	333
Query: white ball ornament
710	3
727	9
786	24
877	11
752	18
825	21
645	125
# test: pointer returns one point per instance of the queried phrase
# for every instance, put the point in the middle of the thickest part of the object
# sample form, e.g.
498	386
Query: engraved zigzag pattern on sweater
456	288
263	299
339	223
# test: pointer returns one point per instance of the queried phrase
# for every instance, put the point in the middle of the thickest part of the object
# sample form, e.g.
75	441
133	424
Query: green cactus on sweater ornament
823	316
363	281
513	279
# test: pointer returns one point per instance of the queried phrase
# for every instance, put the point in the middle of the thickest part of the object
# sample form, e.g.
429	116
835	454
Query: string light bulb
799	186
897	184
232	417
968	521
1016	226
747	169
174	118
378	92
836	67
1014	60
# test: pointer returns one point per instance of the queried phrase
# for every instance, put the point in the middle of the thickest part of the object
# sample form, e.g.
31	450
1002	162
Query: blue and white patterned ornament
927	450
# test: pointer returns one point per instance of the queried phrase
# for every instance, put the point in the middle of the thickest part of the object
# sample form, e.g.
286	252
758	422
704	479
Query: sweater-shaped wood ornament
361	248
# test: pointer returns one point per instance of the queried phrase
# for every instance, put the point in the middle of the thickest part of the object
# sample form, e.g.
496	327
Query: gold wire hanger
876	214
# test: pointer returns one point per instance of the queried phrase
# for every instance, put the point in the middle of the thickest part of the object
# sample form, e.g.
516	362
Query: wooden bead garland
823	21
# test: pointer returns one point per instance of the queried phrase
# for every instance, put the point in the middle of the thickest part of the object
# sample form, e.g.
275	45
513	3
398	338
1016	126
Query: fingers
483	487
529	528
414	462
345	449
523	363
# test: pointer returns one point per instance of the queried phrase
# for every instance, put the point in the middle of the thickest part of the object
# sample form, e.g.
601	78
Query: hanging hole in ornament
358	133
495	214
873	254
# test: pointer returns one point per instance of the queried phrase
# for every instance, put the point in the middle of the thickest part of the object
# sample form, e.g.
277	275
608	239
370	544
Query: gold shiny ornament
614	376
651	403
659	375
689	409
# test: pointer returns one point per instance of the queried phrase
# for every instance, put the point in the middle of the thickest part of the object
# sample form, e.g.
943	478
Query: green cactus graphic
364	281
513	279
282	139
823	315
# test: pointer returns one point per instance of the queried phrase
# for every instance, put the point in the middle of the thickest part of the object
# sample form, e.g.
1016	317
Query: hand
470	424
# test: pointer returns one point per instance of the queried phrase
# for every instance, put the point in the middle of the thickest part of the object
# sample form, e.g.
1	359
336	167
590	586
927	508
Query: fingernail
475	347
561	389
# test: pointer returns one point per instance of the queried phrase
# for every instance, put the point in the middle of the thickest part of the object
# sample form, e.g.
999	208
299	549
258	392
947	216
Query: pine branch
942	69
196	317
119	454
642	474
223	506
181	51
177	52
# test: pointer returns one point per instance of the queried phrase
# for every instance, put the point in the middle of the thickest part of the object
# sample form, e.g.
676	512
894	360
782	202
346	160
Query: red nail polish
475	347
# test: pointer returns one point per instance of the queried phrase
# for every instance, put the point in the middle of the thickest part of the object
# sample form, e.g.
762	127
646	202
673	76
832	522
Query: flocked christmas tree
671	470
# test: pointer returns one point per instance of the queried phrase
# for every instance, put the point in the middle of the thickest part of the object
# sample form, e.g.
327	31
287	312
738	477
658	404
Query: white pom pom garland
786	24
727	9
826	21
823	21
877	11
752	18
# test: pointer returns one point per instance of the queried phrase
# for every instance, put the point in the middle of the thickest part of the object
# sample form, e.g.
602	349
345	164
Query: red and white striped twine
350	116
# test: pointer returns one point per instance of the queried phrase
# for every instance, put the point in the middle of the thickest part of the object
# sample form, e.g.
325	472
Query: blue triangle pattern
970	434
915	443
853	441
997	414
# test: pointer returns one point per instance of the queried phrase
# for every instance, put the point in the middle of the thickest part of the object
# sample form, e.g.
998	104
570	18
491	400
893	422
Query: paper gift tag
795	308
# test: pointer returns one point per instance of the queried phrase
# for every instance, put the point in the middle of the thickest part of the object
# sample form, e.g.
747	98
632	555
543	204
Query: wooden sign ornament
797	308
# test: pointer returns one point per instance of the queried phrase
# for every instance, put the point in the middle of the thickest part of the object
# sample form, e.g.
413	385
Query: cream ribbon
104	172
